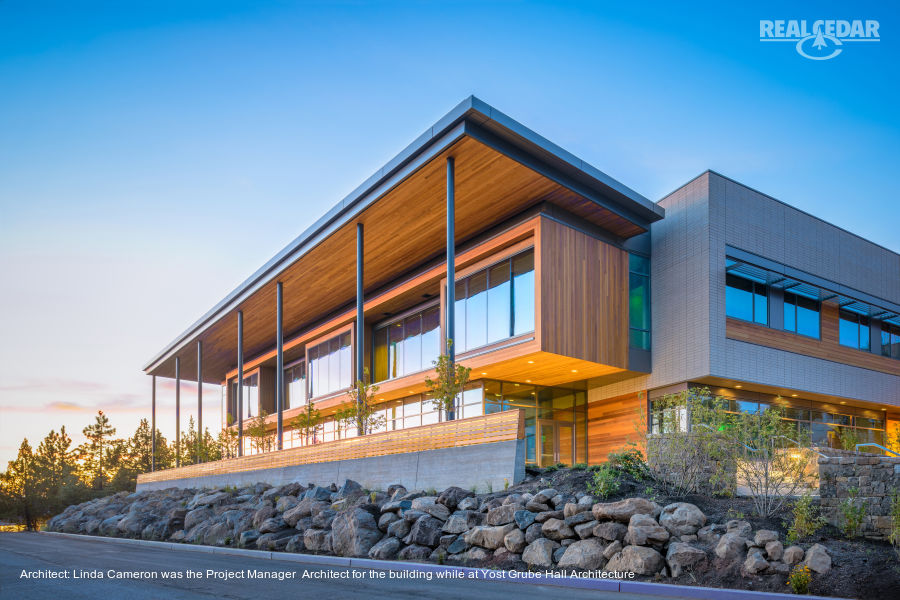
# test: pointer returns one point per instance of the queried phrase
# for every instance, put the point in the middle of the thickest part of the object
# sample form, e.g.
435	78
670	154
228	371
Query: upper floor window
249	396
495	303
801	314
854	330
639	301
295	385
890	340
407	345
746	299
330	365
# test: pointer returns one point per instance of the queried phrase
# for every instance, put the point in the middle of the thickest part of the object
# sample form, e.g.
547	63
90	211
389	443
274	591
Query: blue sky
152	155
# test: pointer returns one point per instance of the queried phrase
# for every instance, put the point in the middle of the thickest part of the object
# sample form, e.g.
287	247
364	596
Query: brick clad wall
876	477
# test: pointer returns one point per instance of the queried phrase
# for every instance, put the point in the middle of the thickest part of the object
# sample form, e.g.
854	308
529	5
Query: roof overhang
526	168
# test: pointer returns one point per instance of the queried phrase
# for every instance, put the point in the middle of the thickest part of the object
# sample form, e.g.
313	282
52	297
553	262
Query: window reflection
330	365
407	345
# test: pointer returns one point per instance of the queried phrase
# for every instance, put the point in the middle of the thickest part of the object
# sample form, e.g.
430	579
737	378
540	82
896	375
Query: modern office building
576	302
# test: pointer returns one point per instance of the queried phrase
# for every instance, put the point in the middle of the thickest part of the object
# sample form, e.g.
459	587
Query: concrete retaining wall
486	466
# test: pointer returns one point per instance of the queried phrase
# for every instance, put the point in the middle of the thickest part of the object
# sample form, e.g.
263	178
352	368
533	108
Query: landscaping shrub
806	519
895	522
630	461
605	481
799	579
853	513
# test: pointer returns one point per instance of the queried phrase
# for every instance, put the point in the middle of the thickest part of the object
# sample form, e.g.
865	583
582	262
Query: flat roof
470	117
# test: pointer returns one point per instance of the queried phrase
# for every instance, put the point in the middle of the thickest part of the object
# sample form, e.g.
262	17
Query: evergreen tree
94	451
18	487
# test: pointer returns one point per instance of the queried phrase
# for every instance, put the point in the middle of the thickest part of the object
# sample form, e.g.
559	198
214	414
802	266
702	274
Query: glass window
523	293
854	330
496	303
801	314
890	340
295	385
407	345
330	365
745	299
250	396
639	301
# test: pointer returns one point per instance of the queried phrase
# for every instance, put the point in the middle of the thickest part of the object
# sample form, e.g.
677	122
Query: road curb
606	585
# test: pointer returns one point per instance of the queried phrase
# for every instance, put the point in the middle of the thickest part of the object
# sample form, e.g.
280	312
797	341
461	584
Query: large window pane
460	343
853	330
476	311
431	336
412	345
523	293
395	351
738	298
498	303
346	357
380	369
330	365
295	385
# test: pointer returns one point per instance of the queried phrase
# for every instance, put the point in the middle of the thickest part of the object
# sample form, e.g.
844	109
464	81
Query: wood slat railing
484	429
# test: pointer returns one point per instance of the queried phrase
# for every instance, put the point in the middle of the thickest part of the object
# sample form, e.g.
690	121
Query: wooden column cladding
267	389
583	308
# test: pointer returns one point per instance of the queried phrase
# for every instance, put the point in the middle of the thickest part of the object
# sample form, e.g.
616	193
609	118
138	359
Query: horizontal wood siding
497	427
827	348
612	423
583	296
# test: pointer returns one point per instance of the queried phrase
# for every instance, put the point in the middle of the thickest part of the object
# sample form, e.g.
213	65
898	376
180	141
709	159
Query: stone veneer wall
875	476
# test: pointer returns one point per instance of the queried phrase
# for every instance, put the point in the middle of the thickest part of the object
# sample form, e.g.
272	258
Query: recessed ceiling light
793	395
530	362
574	370
483	373
738	386
843	402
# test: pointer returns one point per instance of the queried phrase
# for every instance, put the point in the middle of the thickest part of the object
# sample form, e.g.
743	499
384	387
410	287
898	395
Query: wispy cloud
56	385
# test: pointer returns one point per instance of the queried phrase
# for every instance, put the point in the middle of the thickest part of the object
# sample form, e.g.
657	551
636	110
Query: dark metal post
279	361
240	383
153	423
360	316
177	412
199	401
451	268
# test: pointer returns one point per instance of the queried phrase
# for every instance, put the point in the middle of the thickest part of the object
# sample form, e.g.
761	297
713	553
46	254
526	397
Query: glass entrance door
556	442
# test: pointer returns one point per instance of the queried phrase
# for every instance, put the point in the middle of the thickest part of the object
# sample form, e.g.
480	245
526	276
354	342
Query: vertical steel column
450	334
451	268
199	401
153	424
177	412
360	316
279	361
240	383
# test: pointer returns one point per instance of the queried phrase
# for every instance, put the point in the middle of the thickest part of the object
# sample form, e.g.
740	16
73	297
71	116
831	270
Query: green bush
631	462
853	513
799	579
579	467
605	481
806	519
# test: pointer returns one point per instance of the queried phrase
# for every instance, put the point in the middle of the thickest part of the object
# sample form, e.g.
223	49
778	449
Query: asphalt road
36	552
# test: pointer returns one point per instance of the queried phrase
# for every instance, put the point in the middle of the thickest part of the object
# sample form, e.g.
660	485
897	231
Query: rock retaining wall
875	476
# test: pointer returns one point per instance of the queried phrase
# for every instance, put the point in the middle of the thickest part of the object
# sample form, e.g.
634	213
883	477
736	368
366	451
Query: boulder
248	539
487	536
286	503
275	541
682	518
503	514
533	532
324	518
710	534
623	510
546	515
110	525
295	544
468	503
524	518
818	559
399	529
643	530
539	553
395	489
792	555
585	530
318	493
414	552
755	563
386	519
272	525
774	550
573	508
579	518
194	517
556	529
458	545
349	488
514	541
210	499
610	531
261	515
638	559
474	554
452	496
460	521
536	507
426	531
544	496
612	549
730	546
353	533
583	555
386	549
303	508
741	528
317	540
396	506
764	536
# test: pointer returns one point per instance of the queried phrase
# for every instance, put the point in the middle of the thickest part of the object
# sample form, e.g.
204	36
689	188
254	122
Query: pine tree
18	487
97	434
